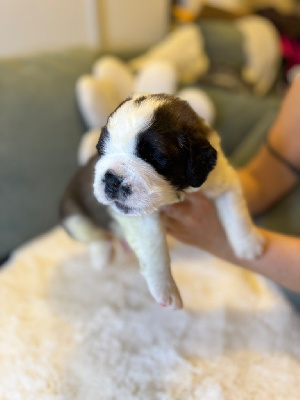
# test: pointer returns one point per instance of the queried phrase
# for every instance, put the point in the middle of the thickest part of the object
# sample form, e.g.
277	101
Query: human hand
195	222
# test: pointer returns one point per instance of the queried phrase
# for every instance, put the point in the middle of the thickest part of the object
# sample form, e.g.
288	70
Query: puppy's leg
84	230
101	253
148	240
244	238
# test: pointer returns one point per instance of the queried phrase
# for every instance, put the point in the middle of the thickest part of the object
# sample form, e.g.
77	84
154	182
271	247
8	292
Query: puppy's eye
101	143
160	159
157	159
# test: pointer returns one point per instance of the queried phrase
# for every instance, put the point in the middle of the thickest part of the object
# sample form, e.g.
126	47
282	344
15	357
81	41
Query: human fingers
175	210
193	203
179	230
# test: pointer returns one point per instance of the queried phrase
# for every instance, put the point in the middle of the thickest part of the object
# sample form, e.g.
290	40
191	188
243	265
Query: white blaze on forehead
127	121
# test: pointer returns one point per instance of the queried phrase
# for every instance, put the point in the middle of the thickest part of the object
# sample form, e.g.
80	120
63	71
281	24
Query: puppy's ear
200	156
201	161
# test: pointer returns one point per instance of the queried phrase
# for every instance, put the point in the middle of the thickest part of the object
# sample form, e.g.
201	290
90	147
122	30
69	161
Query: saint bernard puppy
153	150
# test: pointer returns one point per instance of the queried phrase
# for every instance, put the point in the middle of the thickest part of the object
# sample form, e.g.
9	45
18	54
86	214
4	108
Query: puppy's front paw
171	299
250	247
167	295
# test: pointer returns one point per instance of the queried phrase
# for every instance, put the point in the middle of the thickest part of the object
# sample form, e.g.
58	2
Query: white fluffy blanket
69	332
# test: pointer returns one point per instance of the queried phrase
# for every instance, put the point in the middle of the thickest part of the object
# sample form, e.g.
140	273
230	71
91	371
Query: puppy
152	151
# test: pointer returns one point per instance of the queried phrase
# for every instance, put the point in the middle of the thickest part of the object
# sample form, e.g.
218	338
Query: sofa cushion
40	128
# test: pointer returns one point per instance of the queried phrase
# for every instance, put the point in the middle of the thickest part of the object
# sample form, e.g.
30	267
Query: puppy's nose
112	184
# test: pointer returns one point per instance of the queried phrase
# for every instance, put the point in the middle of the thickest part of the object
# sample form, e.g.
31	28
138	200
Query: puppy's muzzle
114	186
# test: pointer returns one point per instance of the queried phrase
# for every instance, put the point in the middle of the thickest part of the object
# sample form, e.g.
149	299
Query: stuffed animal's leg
200	103
147	238
116	71
156	77
97	98
244	238
183	48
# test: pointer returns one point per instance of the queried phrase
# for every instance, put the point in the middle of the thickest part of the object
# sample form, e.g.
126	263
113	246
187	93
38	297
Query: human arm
195	222
266	179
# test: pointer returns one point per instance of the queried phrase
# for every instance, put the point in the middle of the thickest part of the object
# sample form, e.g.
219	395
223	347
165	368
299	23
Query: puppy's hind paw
101	254
250	247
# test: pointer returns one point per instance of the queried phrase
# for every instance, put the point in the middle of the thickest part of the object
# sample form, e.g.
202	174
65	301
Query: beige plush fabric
261	66
70	332
183	49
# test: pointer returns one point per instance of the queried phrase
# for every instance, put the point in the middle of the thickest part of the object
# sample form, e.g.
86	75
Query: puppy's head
152	149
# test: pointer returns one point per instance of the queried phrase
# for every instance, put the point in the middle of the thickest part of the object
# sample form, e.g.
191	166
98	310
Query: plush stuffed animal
112	81
262	52
180	58
185	50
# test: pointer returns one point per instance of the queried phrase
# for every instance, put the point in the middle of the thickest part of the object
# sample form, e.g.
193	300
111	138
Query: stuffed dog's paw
250	247
116	71
97	98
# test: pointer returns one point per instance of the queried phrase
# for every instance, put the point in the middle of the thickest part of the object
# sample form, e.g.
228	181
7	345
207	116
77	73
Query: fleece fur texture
70	332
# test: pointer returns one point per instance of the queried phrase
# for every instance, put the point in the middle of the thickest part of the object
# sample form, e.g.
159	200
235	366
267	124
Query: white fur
83	230
147	238
126	122
150	190
101	253
241	233
223	186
